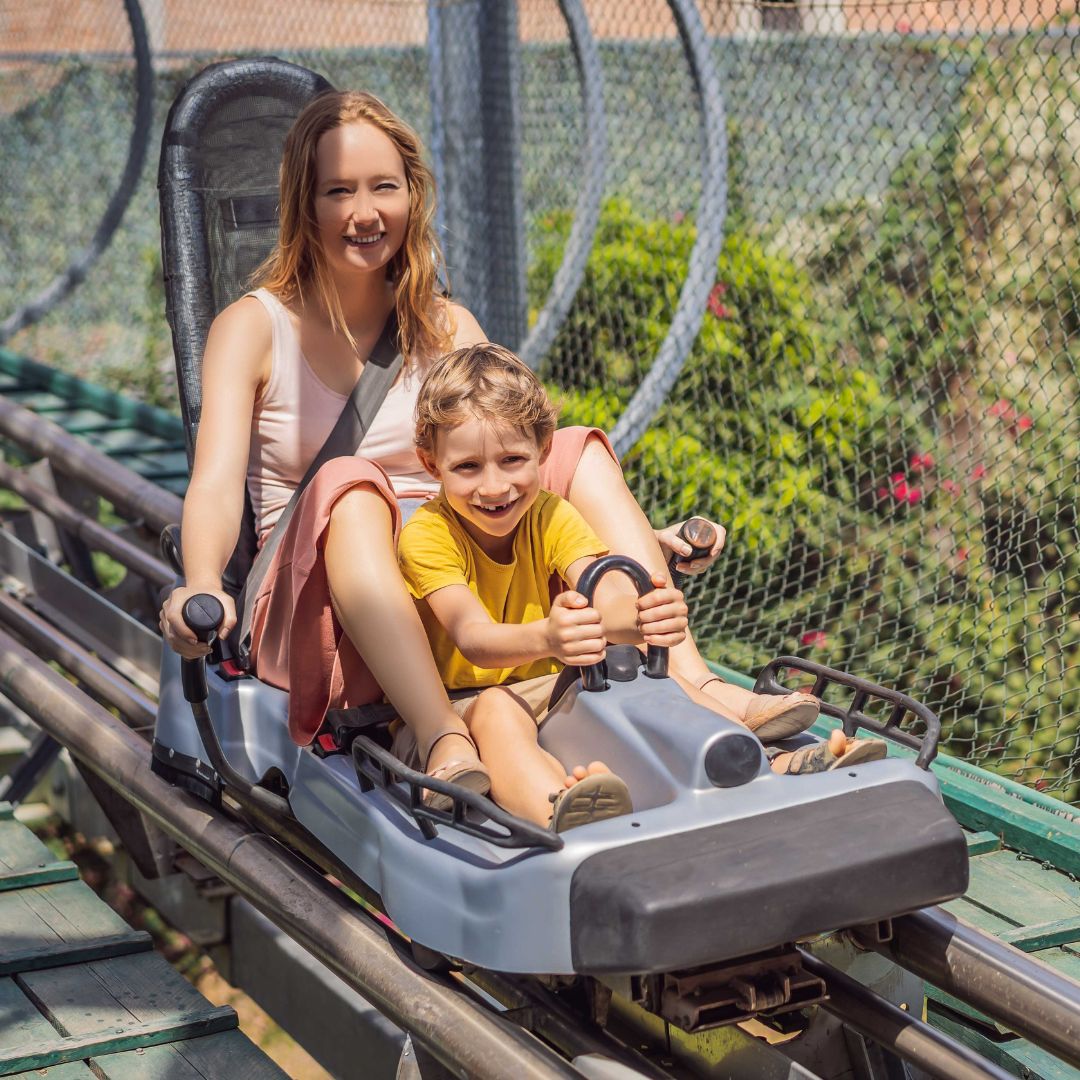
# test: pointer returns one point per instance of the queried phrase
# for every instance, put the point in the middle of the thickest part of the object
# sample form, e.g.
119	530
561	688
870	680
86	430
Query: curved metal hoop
587	213
73	276
656	386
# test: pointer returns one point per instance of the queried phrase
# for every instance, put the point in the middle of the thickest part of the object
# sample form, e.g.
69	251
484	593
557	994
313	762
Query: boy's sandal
819	758
594	798
469	774
770	717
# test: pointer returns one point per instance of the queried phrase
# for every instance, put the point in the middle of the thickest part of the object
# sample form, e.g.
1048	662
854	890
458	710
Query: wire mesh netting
881	396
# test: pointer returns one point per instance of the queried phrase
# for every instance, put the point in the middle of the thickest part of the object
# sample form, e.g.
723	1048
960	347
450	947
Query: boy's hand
662	614
575	632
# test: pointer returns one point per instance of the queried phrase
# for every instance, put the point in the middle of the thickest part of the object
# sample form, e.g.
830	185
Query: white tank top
297	411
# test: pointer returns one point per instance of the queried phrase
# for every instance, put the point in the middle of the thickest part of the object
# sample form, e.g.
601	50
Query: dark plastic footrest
376	767
853	717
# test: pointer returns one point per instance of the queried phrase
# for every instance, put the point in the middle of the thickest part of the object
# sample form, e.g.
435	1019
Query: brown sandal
469	774
593	798
771	717
820	758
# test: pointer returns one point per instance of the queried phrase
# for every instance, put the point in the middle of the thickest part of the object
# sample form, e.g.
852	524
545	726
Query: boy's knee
493	709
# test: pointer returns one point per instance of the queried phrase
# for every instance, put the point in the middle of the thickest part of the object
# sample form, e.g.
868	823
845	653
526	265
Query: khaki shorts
535	693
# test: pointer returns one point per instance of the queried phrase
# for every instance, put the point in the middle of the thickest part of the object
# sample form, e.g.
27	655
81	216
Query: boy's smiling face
490	476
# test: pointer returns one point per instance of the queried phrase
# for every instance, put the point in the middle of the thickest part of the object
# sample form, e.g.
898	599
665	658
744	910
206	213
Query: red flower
814	639
715	306
1023	423
914	495
1000	408
922	462
978	472
961	554
900	490
950	486
1041	784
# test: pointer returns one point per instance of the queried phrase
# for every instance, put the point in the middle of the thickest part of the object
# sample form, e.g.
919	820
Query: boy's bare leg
378	615
524	775
601	496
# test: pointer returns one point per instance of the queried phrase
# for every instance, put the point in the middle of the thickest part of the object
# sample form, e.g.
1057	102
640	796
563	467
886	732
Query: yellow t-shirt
435	551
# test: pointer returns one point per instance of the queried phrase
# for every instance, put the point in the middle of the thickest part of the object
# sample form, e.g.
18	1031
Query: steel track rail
464	1036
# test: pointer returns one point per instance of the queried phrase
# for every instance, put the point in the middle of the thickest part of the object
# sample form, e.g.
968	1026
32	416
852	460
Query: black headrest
218	185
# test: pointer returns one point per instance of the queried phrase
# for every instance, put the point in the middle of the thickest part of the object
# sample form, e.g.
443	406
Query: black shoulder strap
367	395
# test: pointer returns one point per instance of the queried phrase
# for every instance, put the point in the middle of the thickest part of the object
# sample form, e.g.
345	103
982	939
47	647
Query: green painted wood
1044	935
45	874
26	861
58	1050
981	843
968	909
76	1070
113	1005
77	391
61	924
20	1020
1020	1057
39	401
6	812
1020	890
226	1056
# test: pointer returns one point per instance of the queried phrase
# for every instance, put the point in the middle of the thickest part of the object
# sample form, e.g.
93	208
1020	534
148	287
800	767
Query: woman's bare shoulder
241	336
461	324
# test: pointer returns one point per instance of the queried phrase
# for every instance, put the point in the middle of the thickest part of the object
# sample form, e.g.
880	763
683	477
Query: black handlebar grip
203	614
700	535
656	657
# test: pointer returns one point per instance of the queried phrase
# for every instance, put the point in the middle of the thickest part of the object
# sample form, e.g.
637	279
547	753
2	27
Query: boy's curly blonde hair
486	381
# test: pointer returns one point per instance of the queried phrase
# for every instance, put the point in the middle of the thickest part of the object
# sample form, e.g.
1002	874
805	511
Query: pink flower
900	490
1001	408
1022	423
678	217
962	554
922	462
715	306
914	495
951	487
814	639
903	26
978	472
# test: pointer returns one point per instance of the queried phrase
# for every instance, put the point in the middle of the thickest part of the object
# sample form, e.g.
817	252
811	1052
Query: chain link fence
876	389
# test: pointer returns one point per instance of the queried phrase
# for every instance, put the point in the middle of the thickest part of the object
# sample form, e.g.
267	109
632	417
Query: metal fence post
475	72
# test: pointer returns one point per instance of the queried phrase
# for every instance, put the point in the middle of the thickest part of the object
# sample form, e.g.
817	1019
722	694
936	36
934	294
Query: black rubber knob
700	535
203	614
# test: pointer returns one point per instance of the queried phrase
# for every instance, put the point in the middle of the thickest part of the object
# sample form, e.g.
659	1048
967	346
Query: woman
356	243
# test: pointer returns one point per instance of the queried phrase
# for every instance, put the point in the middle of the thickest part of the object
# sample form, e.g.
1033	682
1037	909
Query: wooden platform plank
129	990
981	843
20	1020
25	860
76	1070
1044	935
226	1056
1021	890
61	924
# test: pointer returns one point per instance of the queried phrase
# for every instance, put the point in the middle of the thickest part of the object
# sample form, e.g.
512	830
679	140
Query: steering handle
656	660
700	535
203	615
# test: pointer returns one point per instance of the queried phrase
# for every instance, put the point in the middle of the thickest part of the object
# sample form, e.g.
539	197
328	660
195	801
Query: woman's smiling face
361	198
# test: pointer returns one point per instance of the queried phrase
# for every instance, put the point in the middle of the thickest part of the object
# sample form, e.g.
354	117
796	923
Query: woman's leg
378	615
601	496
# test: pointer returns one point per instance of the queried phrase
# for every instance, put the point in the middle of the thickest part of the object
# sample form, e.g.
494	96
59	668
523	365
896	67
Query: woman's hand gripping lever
701	536
203	614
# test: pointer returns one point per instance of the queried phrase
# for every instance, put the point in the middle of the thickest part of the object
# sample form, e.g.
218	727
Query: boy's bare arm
572	633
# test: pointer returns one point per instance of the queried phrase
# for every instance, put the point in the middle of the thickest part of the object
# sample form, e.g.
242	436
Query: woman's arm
236	364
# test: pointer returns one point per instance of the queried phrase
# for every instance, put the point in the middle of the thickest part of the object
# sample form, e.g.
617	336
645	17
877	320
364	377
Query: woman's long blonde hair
297	261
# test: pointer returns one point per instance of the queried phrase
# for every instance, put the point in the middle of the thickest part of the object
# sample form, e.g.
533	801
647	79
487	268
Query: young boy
479	559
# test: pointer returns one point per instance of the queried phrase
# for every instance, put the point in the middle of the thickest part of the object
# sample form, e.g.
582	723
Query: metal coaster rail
282	874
